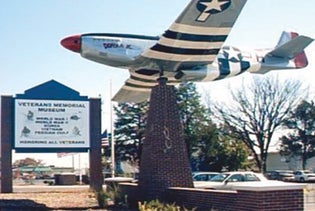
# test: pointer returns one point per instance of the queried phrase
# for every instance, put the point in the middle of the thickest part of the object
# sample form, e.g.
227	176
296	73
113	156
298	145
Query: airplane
191	49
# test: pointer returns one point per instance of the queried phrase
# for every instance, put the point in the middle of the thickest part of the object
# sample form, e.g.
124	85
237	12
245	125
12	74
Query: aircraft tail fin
291	45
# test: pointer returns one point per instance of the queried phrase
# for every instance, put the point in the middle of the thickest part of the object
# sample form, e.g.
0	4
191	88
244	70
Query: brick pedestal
164	161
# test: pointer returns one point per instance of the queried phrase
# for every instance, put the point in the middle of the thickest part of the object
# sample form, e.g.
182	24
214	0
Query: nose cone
72	43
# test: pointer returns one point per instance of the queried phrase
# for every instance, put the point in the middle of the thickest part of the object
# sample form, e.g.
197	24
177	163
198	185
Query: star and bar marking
207	8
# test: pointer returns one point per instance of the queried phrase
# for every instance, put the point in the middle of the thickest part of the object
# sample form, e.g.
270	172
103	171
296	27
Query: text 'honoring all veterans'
51	124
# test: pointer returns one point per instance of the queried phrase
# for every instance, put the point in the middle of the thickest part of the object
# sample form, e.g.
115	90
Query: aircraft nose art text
72	43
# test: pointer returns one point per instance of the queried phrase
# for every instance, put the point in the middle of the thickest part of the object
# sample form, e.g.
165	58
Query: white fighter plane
190	50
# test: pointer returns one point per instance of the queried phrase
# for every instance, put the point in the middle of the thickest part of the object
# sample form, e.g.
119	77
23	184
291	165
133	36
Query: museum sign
51	124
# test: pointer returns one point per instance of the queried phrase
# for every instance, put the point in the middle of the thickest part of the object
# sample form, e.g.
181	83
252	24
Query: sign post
6	135
96	177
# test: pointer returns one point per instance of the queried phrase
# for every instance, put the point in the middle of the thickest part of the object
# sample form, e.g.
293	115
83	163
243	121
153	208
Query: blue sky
31	31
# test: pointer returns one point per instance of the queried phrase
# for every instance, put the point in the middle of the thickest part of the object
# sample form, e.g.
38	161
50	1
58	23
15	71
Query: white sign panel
51	124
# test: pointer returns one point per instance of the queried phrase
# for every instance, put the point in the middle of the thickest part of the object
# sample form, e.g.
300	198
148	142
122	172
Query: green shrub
156	205
112	196
102	198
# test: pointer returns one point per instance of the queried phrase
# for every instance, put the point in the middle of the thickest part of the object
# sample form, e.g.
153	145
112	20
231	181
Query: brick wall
203	199
229	200
271	200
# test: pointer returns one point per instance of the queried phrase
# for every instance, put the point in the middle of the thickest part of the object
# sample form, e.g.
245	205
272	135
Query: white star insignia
213	5
233	55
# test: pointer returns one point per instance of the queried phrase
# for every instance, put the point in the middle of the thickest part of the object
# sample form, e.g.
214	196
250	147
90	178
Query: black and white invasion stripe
189	43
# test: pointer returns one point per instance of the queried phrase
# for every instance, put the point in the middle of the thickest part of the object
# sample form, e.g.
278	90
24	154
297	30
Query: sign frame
51	98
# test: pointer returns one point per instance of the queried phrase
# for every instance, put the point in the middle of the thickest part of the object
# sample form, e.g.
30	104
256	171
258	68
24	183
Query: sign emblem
210	7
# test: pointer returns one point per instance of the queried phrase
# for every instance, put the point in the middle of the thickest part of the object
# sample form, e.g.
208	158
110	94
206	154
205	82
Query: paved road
40	186
46	188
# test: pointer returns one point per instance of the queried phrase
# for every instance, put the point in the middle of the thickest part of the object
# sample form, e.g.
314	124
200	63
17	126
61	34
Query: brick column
164	161
6	137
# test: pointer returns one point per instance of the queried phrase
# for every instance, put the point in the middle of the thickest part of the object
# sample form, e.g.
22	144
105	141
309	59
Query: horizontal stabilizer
291	48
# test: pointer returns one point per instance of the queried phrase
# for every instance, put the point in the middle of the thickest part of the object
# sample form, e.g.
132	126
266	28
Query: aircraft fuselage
123	51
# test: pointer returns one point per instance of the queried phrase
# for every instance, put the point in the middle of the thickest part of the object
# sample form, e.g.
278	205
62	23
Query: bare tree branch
257	110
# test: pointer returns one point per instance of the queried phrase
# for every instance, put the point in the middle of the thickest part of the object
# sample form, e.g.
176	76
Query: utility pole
113	165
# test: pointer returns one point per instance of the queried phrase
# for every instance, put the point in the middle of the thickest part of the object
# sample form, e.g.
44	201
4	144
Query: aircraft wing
129	94
137	88
198	33
195	38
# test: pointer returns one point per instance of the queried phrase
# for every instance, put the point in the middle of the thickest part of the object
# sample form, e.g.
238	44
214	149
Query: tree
257	110
217	151
129	130
301	140
27	162
235	151
203	139
192	113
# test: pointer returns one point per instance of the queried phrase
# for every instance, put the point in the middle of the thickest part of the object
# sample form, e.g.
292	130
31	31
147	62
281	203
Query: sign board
51	124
